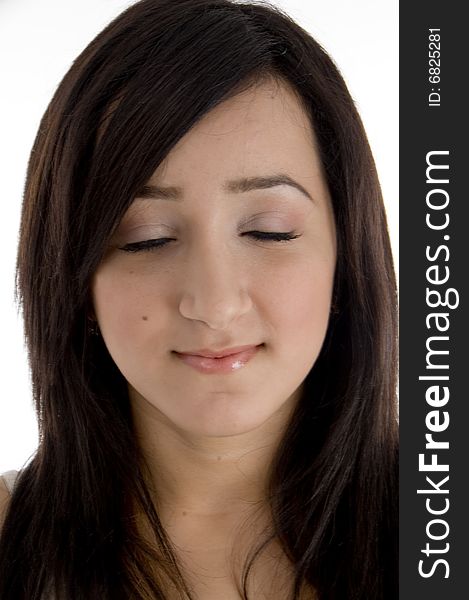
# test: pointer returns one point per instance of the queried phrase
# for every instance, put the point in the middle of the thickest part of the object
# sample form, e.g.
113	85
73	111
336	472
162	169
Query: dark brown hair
142	83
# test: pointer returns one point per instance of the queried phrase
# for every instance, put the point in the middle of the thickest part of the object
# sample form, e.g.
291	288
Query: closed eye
145	245
266	236
274	236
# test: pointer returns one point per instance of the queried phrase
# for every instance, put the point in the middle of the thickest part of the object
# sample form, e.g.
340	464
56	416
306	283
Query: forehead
258	105
262	128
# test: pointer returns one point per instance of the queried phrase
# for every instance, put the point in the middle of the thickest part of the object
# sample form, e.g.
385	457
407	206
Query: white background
38	42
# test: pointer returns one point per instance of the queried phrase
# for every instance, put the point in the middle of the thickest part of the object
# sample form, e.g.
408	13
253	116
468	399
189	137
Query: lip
206	352
224	361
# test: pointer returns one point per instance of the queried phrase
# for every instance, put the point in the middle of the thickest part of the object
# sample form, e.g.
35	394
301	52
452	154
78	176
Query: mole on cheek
144	318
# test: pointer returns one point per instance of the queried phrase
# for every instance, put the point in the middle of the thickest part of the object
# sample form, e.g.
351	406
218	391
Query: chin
226	422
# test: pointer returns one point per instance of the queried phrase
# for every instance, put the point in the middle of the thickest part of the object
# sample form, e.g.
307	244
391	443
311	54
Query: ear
334	305
89	309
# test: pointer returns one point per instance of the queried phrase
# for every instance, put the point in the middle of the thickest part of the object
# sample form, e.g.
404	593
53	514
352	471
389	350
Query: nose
213	291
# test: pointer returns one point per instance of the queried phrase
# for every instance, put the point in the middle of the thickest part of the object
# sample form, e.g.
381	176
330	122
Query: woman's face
250	165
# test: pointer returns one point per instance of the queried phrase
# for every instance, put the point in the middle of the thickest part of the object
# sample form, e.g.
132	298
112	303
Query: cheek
300	299
124	305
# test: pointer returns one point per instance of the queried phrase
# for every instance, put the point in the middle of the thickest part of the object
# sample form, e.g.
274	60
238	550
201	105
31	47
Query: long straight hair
136	90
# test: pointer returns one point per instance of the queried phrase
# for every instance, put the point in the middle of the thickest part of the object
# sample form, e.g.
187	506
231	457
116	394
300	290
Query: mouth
209	353
225	361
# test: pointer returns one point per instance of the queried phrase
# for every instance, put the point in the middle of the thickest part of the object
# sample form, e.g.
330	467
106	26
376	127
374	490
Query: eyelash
266	236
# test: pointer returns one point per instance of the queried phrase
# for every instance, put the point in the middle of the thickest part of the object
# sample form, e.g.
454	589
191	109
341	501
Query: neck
203	476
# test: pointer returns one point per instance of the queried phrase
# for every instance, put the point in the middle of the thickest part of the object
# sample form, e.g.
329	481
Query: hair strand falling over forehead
138	87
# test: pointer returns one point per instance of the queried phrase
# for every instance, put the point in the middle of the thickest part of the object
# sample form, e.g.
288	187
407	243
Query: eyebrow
244	184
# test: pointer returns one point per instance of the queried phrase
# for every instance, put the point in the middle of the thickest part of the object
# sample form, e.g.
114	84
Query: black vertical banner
434	273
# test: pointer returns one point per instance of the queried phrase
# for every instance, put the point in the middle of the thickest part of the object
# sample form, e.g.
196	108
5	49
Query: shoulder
6	484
